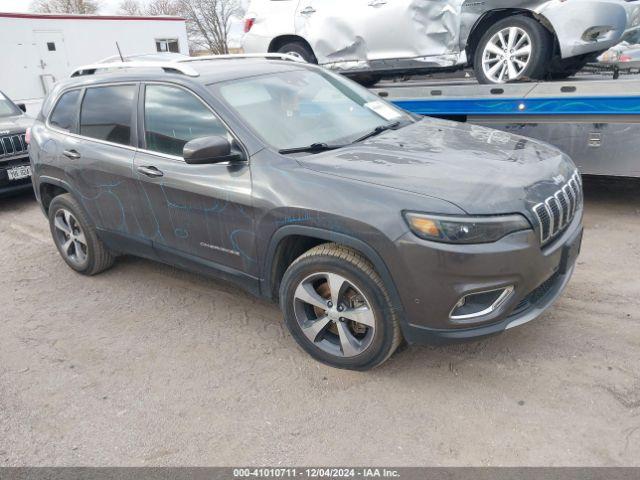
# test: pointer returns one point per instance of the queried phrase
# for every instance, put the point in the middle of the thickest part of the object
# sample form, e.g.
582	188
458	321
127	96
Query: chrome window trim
130	147
48	124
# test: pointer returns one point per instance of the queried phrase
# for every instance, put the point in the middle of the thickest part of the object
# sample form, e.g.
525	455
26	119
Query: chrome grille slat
557	211
13	145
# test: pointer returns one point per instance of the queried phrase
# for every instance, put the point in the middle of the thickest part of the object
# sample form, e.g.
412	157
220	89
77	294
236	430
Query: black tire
367	80
358	271
541	47
97	257
300	49
562	69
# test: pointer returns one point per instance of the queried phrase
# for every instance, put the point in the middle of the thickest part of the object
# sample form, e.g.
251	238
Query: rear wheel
298	50
515	48
337	309
75	238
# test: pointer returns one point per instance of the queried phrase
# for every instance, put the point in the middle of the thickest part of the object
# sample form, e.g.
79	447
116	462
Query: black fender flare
266	281
44	179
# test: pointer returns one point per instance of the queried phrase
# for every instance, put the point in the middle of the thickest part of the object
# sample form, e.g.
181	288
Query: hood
482	171
14	124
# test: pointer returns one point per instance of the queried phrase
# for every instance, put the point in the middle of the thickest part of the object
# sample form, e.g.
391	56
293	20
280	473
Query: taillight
248	23
27	136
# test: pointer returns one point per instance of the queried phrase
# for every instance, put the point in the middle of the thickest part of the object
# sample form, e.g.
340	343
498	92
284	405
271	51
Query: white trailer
40	49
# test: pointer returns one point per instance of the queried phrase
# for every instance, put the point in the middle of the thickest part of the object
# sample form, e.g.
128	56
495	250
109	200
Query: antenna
119	52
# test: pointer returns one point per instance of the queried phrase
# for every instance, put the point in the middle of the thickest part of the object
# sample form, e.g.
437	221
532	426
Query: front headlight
463	229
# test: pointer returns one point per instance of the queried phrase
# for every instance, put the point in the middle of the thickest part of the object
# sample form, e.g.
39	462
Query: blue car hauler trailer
596	122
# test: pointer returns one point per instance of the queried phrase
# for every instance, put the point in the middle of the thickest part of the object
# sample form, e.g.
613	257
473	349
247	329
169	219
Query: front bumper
573	22
9	187
437	275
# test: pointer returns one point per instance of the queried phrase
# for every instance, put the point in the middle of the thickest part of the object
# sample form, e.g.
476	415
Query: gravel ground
149	365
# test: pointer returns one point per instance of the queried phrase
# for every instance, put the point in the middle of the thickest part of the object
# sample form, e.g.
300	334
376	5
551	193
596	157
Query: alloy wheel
70	237
334	314
507	55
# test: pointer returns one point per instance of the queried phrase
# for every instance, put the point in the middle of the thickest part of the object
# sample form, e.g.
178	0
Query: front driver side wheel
336	307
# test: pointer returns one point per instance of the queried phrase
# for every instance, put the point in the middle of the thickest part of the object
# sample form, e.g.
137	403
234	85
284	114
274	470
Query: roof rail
232	56
169	67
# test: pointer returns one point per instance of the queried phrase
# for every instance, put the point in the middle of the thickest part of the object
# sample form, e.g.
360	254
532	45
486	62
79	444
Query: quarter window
106	113
173	117
65	111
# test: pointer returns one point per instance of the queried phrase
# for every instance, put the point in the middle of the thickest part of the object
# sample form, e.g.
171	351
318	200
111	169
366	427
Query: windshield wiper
378	130
314	147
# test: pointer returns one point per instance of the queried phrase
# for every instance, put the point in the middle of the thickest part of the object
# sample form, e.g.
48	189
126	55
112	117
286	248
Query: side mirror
214	149
22	107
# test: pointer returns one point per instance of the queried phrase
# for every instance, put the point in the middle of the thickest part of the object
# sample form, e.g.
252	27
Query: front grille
557	211
11	145
538	294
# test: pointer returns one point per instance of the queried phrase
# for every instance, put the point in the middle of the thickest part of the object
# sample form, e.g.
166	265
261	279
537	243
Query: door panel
333	28
375	30
199	210
100	160
202	211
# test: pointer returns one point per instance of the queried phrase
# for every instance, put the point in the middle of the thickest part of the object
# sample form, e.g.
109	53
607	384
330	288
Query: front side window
65	112
106	113
304	107
173	117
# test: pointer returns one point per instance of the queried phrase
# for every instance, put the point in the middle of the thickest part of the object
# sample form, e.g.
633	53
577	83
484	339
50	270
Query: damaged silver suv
366	224
502	40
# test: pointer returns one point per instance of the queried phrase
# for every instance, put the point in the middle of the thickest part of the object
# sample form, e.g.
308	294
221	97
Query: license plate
570	253
18	173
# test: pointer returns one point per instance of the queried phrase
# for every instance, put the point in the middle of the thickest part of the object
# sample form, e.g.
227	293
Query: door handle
71	154
377	3
150	171
308	11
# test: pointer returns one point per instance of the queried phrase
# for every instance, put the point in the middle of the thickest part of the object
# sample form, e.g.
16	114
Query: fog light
479	304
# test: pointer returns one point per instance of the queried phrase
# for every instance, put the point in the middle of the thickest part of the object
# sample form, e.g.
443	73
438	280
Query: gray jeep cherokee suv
368	225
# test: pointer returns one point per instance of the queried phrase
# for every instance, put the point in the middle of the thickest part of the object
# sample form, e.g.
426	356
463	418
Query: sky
108	6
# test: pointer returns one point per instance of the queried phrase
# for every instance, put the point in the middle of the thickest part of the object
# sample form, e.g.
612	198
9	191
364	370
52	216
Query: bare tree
66	6
152	8
209	22
130	7
163	7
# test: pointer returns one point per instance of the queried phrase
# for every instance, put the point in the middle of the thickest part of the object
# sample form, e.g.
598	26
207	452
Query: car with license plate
369	226
502	40
15	170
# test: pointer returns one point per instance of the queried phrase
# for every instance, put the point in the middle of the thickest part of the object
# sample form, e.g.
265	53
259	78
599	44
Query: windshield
7	108
303	107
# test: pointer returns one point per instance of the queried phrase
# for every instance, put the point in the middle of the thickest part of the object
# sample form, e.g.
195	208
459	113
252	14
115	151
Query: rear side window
173	117
65	112
106	113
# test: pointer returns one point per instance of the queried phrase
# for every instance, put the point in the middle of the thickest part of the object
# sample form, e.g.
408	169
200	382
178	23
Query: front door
198	213
53	64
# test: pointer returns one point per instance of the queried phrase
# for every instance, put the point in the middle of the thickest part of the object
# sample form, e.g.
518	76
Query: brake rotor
352	300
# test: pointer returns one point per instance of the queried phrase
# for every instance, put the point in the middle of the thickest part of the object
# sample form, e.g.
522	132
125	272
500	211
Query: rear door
198	214
98	157
370	30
